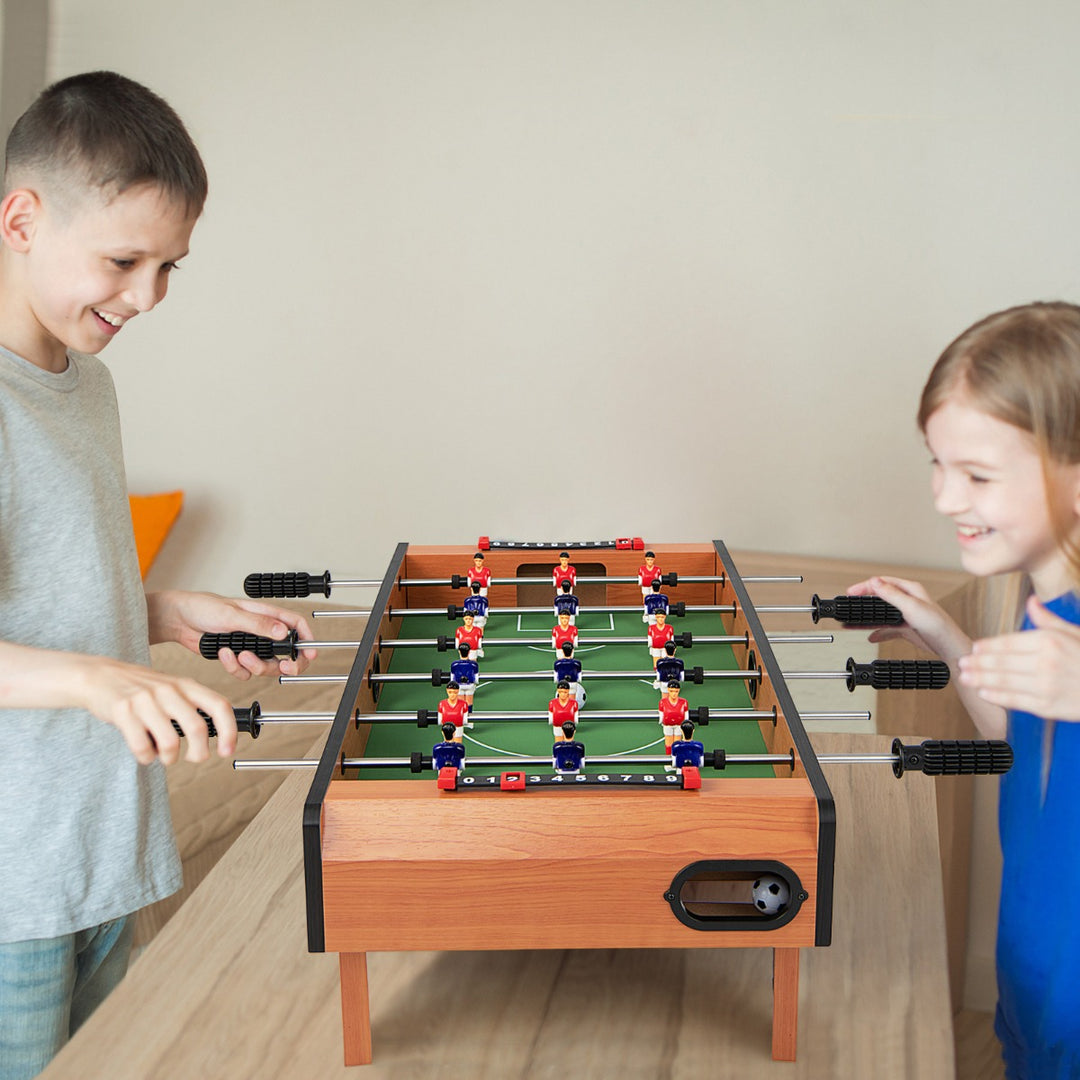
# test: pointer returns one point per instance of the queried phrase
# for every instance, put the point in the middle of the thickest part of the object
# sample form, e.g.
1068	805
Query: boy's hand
142	704
185	616
1037	670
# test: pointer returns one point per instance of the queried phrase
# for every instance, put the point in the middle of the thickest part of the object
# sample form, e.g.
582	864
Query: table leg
355	1008
785	1003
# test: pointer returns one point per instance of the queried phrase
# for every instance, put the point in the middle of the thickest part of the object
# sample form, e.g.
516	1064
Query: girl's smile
988	477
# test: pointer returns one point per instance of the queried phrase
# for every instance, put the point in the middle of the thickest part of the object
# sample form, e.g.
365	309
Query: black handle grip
294	584
263	647
685	640
856	611
898	674
678	609
953	757
247	719
671	579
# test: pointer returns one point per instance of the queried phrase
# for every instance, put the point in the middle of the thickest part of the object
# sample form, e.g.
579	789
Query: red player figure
563	572
563	633
648	573
561	707
454	711
479	573
659	635
673	711
470	634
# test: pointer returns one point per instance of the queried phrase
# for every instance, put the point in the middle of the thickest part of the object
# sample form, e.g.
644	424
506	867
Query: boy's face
478	563
93	266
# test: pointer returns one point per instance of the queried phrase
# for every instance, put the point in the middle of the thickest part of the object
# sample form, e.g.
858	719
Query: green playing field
534	738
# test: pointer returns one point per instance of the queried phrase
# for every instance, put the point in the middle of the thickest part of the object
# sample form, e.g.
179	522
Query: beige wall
691	261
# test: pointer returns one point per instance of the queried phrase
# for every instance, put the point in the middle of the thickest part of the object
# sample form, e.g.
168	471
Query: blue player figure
687	750
669	668
449	754
655	601
477	605
465	673
568	756
568	602
568	669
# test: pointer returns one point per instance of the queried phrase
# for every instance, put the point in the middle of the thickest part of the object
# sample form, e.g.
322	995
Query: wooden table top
227	989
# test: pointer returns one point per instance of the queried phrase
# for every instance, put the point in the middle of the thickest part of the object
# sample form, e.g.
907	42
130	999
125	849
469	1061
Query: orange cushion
153	517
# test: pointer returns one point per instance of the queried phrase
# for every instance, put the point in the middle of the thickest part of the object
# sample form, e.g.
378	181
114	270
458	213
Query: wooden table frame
380	857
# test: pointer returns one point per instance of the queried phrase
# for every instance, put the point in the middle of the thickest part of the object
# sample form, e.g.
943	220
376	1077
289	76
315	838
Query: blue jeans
48	987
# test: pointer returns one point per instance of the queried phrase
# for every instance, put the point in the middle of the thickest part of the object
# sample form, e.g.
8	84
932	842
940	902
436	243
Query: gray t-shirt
85	831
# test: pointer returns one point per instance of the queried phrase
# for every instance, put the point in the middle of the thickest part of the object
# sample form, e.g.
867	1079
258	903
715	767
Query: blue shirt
568	757
687	752
1038	948
669	668
478	605
568	668
464	672
447	755
566	602
655	602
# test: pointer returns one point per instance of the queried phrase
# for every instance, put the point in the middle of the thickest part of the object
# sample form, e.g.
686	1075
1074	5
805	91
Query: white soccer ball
771	894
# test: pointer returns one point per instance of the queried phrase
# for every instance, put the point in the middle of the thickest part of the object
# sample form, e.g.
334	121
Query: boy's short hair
105	132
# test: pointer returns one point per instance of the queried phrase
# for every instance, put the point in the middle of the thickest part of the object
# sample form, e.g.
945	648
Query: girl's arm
1037	670
929	627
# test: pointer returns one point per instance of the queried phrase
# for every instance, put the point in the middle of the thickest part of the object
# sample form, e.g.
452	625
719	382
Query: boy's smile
988	477
85	271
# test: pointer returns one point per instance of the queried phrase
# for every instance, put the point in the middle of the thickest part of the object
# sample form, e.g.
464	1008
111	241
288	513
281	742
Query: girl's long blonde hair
1022	366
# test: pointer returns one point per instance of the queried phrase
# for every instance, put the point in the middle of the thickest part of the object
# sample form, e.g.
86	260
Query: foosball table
625	851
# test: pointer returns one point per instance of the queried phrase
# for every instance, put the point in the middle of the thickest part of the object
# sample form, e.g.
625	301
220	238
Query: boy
102	188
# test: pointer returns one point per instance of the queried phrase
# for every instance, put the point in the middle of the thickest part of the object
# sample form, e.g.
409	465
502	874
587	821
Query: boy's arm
140	703
185	616
929	627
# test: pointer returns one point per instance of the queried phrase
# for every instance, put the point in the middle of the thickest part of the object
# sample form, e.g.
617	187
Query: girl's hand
185	616
926	624
1037	671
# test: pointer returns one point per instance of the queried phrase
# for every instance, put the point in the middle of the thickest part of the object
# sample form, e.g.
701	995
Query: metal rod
710	579
399	613
522	762
513	716
498	762
721	639
504	676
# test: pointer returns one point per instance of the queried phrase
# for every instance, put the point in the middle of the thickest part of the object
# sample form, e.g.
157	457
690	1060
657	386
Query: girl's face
988	477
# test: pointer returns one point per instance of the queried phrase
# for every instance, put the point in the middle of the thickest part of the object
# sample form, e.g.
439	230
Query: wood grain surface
227	989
